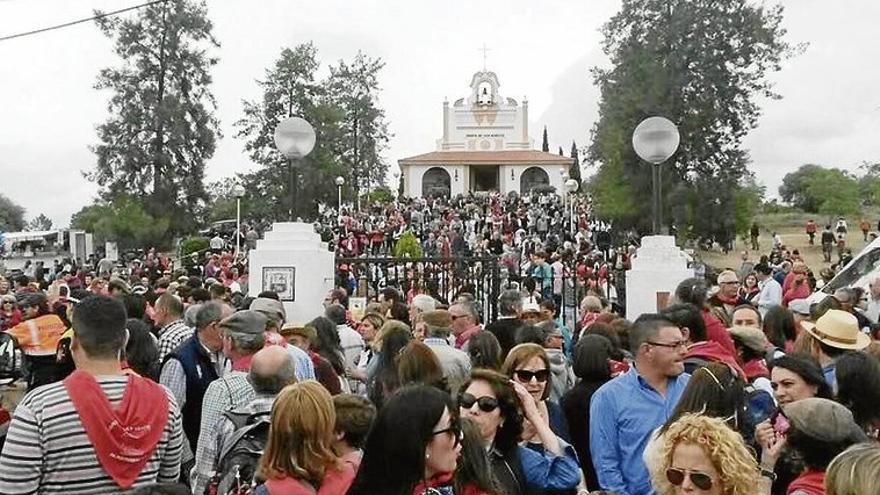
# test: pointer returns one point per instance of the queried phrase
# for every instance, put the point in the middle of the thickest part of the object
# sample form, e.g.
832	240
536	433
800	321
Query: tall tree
350	127
354	88
11	215
561	153
289	89
575	170
679	59
545	144
40	222
161	130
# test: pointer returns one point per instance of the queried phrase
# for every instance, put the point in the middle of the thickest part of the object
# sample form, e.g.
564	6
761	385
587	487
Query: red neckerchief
732	300
810	481
243	363
123	437
440	479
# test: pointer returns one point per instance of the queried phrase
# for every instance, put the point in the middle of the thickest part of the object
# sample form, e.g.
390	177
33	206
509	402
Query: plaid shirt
224	394
171	336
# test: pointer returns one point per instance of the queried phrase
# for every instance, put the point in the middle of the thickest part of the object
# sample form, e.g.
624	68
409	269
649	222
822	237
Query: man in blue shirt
625	411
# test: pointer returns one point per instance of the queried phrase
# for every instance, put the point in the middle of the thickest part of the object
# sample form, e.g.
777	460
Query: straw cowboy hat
838	329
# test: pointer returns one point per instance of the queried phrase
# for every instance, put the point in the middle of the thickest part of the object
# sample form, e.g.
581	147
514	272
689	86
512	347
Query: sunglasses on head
700	480
526	376
485	403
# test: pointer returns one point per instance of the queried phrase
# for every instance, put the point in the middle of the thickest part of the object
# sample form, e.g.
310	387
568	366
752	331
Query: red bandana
124	438
812	482
732	300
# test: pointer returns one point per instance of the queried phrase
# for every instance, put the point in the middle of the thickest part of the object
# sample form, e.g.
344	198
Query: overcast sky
829	113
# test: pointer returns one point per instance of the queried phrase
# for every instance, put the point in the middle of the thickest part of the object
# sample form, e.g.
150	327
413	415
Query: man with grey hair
508	322
420	304
242	335
455	363
272	369
465	322
190	369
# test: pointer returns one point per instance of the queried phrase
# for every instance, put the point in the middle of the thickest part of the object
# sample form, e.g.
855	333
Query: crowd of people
171	380
512	229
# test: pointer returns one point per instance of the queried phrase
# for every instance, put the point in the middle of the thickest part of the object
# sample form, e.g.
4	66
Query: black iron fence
447	278
443	278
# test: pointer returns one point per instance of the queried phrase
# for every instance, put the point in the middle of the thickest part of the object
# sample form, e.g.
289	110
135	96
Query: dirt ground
790	227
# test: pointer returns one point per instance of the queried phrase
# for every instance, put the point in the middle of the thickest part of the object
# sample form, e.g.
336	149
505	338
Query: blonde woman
299	457
703	455
854	472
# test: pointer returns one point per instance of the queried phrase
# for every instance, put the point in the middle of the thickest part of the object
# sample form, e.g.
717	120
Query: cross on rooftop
484	50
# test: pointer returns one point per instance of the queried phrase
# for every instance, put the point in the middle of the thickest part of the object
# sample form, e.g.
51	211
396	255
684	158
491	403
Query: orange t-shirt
39	336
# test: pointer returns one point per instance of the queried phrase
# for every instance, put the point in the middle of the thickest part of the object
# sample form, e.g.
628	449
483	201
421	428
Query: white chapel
485	147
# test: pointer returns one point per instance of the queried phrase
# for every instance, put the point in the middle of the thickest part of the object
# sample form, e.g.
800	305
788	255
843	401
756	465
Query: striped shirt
171	336
47	451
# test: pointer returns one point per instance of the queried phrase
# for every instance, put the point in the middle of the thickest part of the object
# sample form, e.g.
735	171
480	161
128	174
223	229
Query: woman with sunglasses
700	454
493	402
528	365
413	446
10	315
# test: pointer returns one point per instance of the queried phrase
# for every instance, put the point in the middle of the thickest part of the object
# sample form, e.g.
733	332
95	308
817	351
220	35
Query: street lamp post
571	186
238	192
340	180
656	139
294	138
564	174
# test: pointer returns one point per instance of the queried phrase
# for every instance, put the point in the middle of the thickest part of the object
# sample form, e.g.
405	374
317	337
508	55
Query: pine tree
561	152
575	171
161	130
545	147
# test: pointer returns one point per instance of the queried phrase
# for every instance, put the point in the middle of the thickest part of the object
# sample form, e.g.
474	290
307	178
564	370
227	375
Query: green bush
408	246
194	244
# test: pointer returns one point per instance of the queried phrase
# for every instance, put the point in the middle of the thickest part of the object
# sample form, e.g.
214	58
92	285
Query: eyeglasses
673	345
526	376
485	403
700	480
455	317
454	429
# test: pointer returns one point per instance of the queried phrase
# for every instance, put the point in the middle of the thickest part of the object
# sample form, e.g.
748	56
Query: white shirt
770	295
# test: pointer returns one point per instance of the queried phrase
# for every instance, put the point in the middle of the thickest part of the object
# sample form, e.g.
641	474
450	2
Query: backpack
10	359
240	454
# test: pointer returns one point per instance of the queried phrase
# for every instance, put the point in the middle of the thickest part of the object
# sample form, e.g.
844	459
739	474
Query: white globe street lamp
656	139
295	138
340	180
238	192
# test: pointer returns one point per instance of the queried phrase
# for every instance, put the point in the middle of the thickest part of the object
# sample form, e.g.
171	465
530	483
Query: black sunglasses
454	429
700	480
485	403
526	376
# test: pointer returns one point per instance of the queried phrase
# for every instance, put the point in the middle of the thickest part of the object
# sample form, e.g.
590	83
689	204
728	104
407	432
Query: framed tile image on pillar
281	280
